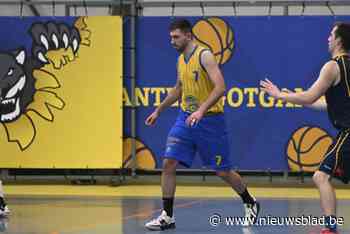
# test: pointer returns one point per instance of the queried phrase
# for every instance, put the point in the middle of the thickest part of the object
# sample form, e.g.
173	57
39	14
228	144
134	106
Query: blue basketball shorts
208	138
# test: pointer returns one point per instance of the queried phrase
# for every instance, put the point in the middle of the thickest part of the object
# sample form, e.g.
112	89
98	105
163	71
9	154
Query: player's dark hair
343	31
182	24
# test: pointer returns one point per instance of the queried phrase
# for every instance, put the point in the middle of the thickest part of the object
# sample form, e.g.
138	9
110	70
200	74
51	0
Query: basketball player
4	210
334	82
199	126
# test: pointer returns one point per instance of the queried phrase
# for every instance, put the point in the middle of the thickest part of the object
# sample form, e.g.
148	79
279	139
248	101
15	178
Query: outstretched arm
320	104
328	76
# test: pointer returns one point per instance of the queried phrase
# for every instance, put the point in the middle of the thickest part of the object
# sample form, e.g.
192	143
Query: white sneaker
251	213
4	211
161	223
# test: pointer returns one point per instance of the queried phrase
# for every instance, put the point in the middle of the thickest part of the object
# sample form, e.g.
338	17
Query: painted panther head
16	85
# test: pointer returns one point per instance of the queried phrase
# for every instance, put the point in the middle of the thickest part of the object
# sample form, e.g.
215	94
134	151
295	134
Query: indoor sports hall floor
103	209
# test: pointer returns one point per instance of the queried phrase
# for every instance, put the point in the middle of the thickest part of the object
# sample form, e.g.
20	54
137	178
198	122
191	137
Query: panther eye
10	72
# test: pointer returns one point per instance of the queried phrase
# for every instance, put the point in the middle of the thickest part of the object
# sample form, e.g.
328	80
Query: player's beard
180	48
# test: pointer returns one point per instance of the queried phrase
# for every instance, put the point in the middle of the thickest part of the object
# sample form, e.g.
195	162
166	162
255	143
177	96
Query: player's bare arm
215	75
320	104
329	75
173	96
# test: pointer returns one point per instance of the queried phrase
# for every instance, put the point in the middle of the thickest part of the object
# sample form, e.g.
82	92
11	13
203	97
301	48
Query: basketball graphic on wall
307	147
217	35
144	156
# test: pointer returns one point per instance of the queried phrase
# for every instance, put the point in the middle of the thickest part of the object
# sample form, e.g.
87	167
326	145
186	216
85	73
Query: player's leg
327	199
168	182
166	219
235	181
251	206
179	149
327	194
333	165
213	146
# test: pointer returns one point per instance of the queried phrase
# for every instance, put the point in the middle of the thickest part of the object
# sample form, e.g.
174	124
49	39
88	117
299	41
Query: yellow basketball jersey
196	85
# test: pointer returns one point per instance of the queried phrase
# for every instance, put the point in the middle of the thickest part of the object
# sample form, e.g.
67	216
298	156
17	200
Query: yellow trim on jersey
340	55
334	147
196	84
337	153
346	76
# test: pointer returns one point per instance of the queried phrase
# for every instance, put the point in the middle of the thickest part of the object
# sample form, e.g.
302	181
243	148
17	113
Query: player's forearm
320	105
170	99
301	98
213	98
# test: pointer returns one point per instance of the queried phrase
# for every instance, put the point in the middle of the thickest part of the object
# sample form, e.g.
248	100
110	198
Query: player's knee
169	165
223	174
320	177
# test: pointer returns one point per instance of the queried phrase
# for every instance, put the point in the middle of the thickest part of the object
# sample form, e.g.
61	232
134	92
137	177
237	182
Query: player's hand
151	119
270	88
194	118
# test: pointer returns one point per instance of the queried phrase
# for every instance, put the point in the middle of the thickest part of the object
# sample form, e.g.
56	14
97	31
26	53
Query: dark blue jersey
338	96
